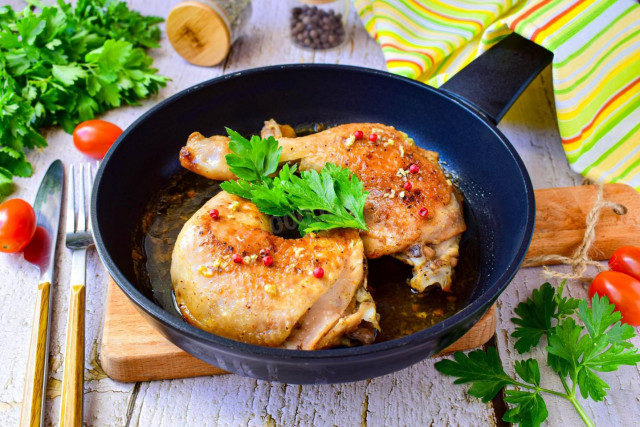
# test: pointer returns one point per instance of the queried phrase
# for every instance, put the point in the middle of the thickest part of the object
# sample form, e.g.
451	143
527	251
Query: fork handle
73	376
32	413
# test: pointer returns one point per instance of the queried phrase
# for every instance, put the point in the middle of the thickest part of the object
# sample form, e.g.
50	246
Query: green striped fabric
596	65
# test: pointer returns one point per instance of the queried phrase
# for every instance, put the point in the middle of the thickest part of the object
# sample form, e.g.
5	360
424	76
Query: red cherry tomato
38	248
626	260
622	290
17	225
94	137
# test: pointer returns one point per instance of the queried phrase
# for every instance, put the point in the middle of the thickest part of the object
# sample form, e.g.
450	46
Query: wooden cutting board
131	350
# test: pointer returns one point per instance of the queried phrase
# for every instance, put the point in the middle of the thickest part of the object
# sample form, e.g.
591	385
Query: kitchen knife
47	206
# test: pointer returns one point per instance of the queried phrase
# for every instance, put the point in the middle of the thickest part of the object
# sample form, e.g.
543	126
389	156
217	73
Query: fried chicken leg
411	211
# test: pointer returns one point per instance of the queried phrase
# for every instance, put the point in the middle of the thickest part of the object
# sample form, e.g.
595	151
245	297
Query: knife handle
73	377
32	413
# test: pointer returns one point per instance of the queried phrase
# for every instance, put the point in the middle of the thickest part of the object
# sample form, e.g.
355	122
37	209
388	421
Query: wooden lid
199	33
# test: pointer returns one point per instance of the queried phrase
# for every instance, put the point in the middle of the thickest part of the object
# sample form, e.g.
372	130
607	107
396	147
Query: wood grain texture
561	221
33	397
198	33
132	350
73	376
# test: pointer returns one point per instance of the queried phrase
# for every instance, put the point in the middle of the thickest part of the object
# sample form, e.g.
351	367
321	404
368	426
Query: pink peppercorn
318	272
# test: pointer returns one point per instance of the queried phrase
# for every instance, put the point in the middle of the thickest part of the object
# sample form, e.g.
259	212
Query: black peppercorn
316	28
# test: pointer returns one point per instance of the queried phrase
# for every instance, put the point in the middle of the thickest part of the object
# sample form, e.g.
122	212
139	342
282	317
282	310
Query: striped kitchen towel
596	63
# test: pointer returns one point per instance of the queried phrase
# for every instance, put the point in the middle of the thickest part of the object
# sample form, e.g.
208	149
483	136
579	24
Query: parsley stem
565	385
293	218
585	418
542	389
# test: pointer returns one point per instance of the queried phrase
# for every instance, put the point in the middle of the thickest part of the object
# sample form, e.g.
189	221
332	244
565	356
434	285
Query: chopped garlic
389	142
216	263
233	206
401	195
390	195
402	173
409	141
246	259
349	141
271	289
401	150
205	271
253	257
297	251
231	216
375	130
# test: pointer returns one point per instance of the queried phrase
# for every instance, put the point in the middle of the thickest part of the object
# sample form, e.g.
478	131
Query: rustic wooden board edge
132	350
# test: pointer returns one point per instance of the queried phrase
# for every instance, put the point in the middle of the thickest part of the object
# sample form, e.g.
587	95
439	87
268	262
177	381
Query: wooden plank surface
131	350
417	395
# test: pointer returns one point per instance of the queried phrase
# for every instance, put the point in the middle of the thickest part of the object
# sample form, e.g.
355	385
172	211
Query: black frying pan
458	121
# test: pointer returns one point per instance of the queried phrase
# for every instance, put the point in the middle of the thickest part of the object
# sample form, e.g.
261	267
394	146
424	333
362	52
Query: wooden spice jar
319	24
203	31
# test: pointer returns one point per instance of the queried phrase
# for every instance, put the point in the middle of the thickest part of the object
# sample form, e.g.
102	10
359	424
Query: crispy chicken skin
391	211
278	305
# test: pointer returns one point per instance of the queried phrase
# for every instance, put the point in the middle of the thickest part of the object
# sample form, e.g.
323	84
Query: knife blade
47	205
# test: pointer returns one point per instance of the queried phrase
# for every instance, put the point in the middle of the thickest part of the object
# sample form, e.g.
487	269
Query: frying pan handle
494	80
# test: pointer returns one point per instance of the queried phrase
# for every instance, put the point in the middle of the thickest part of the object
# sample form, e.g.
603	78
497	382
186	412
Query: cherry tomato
626	260
94	137
17	225
622	290
38	248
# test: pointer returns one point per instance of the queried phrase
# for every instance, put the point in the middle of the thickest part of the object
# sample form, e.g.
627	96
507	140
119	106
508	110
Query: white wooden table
416	396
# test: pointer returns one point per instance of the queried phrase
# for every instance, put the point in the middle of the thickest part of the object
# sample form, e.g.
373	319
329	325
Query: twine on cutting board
580	259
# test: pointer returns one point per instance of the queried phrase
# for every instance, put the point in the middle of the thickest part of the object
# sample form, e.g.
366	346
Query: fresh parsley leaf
529	408
482	369
253	159
61	65
332	198
528	370
534	317
239	187
574	351
325	192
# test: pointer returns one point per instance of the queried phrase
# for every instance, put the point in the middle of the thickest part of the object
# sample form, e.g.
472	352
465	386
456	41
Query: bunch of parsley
575	353
333	198
61	65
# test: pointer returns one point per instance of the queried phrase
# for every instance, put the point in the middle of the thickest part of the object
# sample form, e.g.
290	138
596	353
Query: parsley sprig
575	352
61	65
332	198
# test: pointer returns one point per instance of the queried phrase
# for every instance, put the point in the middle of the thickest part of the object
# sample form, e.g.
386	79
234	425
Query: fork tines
77	197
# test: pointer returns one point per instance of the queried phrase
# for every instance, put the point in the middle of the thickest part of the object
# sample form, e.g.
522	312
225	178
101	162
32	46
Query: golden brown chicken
233	277
411	211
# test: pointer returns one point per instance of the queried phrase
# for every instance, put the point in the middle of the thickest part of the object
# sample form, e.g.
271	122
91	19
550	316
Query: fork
78	239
